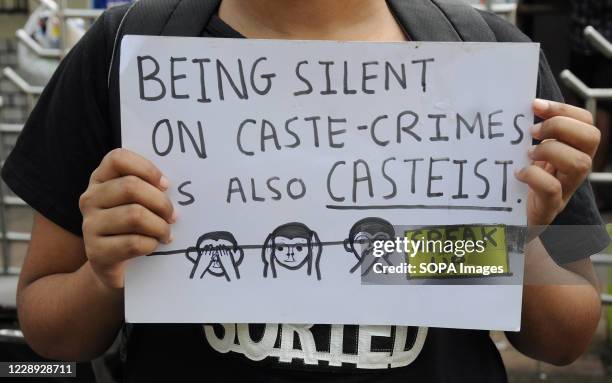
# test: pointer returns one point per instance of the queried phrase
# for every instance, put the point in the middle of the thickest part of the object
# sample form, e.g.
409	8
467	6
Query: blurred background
575	35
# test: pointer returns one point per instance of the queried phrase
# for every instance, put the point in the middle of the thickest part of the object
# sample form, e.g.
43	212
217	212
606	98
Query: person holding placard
99	206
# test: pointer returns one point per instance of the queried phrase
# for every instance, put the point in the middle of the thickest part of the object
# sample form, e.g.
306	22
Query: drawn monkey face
363	243
217	254
291	251
292	246
362	237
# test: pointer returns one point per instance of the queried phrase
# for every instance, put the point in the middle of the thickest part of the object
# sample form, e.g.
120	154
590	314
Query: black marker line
419	207
244	247
172	252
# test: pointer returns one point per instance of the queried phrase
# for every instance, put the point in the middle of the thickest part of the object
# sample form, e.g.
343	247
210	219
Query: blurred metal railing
34	46
8	201
64	13
606	261
8	237
598	41
592	95
31	91
13	6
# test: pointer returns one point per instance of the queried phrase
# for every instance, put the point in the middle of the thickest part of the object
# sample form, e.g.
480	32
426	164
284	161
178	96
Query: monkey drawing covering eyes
292	246
362	237
219	254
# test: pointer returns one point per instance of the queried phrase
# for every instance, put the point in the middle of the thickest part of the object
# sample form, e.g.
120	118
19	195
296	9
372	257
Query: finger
547	189
128	219
546	109
133	190
546	166
124	247
573	166
550	169
540	164
122	162
563	157
578	134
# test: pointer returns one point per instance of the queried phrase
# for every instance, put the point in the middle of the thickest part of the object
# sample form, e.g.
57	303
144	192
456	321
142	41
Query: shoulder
94	50
112	17
99	40
504	30
105	29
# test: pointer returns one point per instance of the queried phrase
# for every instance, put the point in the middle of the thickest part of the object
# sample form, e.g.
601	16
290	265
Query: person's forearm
558	322
561	310
70	316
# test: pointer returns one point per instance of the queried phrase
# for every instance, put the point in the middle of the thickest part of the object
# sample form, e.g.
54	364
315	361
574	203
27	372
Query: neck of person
343	20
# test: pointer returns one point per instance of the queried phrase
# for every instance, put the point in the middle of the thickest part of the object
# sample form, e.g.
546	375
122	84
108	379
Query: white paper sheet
315	137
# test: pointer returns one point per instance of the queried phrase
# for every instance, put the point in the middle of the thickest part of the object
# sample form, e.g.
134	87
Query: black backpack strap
163	18
442	20
169	17
155	18
470	25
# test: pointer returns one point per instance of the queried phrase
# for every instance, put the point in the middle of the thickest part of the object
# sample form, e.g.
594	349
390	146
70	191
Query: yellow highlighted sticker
457	251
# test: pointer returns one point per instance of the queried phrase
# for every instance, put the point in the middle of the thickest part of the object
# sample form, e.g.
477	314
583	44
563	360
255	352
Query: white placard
266	142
